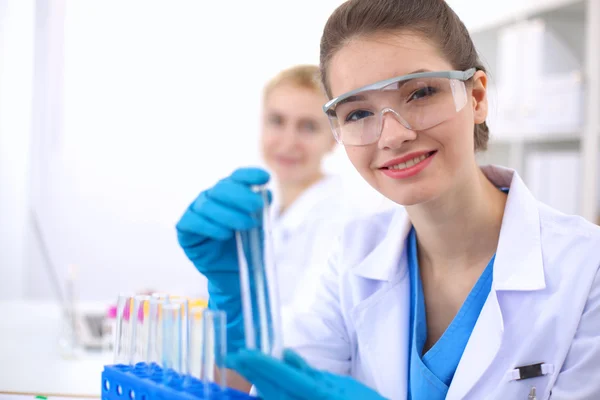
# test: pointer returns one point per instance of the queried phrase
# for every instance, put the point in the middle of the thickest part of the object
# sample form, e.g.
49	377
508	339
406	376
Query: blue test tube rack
150	382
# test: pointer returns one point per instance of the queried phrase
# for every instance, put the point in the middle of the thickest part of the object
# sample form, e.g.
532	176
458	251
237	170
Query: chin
409	200
411	195
290	175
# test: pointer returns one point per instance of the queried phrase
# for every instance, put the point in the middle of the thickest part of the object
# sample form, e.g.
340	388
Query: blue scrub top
431	373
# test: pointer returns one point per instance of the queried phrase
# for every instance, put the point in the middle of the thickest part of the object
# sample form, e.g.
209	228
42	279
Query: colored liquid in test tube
258	282
140	323
196	342
123	335
184	304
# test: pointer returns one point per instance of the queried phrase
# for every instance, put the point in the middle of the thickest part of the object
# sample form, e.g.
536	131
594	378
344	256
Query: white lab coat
303	236
544	306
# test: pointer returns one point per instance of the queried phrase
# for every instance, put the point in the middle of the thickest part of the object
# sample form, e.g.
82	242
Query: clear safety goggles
418	101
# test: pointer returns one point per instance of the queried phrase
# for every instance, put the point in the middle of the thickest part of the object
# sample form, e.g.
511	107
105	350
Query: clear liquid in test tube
214	352
258	281
155	329
171	340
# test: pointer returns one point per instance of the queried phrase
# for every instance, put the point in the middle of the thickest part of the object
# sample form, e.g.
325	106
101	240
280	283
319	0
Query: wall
16	60
159	101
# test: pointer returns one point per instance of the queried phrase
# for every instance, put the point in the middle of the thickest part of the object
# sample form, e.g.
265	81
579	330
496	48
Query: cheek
464	141
465	126
360	157
268	143
456	156
314	146
455	137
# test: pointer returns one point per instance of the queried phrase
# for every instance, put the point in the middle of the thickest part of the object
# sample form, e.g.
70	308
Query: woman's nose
289	138
394	130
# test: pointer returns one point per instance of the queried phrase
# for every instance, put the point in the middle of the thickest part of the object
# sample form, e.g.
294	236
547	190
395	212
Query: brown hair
433	19
303	76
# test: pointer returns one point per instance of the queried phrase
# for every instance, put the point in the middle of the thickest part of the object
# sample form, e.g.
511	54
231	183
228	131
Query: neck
290	191
462	228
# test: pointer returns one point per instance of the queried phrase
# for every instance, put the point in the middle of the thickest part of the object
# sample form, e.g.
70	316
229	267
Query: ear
479	96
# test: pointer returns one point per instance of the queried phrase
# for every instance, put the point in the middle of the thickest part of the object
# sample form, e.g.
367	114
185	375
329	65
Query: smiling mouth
287	161
410	163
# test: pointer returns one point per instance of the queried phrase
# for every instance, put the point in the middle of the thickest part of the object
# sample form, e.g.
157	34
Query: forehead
291	94
366	60
294	100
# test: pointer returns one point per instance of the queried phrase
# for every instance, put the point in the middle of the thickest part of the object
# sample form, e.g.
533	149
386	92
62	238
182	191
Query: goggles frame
458	75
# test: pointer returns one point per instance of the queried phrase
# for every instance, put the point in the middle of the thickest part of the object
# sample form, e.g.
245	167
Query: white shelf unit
543	117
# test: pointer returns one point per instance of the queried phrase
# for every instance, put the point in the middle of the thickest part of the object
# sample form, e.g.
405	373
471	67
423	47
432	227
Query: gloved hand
206	232
293	378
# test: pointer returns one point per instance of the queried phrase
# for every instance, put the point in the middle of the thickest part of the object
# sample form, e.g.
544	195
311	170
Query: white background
114	115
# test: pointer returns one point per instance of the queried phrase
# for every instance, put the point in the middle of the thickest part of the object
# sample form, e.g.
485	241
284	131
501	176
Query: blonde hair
304	76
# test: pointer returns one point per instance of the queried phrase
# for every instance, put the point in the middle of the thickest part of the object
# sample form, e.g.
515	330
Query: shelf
564	29
569	138
500	13
529	47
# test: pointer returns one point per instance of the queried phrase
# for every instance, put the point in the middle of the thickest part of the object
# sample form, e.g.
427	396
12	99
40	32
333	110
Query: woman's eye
421	93
309	126
358	115
275	120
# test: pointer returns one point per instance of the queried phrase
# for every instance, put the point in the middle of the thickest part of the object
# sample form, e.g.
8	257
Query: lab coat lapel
482	348
382	319
295	216
518	266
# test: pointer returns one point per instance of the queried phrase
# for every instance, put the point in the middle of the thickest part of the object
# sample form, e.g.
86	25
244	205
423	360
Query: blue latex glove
206	232
293	378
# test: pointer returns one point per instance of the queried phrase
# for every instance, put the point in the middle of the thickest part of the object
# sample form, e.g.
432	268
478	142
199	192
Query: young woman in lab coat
474	290
307	210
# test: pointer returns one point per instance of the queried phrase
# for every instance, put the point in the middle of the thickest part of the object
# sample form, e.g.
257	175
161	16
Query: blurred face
409	167
296	134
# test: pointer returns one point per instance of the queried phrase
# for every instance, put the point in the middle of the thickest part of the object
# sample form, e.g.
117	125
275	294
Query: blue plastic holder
150	382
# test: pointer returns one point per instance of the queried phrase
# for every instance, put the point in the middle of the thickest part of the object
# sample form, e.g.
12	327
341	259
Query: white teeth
409	163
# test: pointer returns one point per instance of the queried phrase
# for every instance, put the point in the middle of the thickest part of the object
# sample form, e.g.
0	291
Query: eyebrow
351	99
308	120
273	113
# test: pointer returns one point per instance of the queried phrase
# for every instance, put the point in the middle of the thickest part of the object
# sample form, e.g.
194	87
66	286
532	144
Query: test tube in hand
260	302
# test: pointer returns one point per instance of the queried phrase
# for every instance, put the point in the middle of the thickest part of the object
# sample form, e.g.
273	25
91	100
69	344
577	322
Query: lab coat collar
382	263
326	188
521	220
519	264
